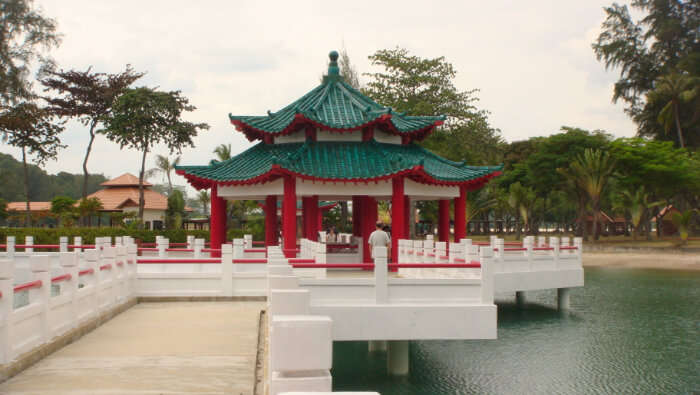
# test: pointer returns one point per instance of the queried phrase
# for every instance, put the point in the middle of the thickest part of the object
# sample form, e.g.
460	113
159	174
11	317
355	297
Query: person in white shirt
379	238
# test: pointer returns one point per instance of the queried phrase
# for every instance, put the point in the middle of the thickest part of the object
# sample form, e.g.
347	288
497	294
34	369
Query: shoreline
646	260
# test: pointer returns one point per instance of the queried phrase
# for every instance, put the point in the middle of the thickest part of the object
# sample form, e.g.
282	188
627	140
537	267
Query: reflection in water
630	331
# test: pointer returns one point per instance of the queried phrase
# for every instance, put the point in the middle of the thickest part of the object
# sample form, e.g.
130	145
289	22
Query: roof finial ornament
333	65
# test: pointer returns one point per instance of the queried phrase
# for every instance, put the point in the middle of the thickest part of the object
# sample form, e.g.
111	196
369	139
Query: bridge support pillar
376	345
563	298
398	358
520	298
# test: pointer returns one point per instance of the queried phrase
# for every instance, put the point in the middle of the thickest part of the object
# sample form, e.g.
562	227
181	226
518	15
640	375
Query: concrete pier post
563	302
376	345
398	357
520	298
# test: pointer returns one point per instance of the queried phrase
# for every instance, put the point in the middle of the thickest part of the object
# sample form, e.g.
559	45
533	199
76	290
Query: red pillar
289	216
271	220
356	216
444	220
398	216
313	218
461	214
217	222
369	220
318	218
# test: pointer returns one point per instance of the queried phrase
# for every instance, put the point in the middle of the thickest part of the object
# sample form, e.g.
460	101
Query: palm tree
590	174
635	205
164	166
677	89
683	223
523	201
89	207
478	202
203	198
223	152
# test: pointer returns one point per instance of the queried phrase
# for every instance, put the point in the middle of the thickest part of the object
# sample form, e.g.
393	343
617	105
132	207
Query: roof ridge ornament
333	68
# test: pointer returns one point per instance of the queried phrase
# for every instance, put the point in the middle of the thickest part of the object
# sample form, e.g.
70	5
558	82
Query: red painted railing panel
86	271
29	285
178	261
63	277
250	261
106	267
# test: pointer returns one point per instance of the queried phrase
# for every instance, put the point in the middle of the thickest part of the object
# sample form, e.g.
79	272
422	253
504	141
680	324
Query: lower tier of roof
337	162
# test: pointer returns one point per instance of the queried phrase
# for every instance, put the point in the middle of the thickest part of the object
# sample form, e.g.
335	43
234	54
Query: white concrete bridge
436	291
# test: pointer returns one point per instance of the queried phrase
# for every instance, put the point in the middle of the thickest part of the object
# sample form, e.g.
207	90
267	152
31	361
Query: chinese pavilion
334	143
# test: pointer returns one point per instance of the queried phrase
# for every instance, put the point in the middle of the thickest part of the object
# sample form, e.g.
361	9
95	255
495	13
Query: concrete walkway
155	348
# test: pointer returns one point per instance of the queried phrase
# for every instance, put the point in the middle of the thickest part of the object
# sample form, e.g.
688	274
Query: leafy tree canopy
24	32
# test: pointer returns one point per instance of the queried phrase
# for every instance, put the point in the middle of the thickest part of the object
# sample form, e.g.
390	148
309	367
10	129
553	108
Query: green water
629	332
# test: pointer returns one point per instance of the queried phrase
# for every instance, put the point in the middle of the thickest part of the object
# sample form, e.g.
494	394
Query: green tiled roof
334	105
337	160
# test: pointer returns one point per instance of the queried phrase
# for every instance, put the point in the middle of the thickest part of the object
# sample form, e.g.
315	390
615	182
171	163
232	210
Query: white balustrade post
499	254
118	240
554	243
69	263
473	254
381	286
7	271
440	251
321	254
322	238
528	245
198	245
427	250
492	240
190	242
578	243
109	261
487	288
466	246
77	241
565	241
63	244
248	241
227	257
238	248
10	250
132	267
121	273
29	240
91	258
39	265
417	248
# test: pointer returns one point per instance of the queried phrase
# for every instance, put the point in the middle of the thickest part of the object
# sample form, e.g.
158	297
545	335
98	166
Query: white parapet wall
65	290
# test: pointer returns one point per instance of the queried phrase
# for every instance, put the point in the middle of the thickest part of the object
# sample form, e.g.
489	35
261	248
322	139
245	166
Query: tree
590	172
523	201
86	96
143	117
24	31
417	86
662	42
35	132
89	207
676	90
63	207
3	209
203	198
164	166
223	152
347	69
635	205
683	222
175	211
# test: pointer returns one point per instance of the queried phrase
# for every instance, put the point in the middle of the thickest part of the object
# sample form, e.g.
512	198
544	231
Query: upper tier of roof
336	106
124	180
342	161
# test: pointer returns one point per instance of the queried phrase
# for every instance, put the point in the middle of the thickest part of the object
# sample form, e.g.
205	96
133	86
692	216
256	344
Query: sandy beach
647	260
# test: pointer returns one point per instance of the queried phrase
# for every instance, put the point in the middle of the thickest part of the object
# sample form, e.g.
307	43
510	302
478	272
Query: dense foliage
42	186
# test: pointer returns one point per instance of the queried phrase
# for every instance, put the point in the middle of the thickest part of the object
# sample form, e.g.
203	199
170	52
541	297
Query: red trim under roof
300	122
417	173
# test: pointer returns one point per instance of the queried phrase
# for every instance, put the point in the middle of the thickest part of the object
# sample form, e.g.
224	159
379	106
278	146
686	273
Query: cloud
532	61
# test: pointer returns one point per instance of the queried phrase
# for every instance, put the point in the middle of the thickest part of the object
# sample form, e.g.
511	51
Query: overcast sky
531	60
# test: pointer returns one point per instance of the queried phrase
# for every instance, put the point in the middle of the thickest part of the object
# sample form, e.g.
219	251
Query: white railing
86	283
